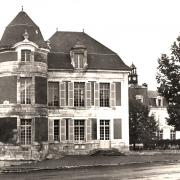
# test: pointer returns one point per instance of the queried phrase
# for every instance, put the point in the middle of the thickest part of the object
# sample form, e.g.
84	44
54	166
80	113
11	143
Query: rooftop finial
83	30
56	29
22	8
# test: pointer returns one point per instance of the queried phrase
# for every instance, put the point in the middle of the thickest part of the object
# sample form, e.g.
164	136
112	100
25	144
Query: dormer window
78	55
26	55
78	60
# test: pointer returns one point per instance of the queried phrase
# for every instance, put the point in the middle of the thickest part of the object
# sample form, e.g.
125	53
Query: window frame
56	128
26	55
26	90
104	94
79	60
53	99
104	129
79	94
172	134
79	130
26	132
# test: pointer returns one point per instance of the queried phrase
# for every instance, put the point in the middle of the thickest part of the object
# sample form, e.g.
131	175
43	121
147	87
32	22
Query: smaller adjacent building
156	103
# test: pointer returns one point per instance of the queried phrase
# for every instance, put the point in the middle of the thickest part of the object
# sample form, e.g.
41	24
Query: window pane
56	130
79	60
53	94
25	90
26	131
79	94
79	126
67	129
25	55
104	94
104	129
92	93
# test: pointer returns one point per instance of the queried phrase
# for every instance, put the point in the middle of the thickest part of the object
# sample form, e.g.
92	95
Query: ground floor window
25	131
79	129
56	130
104	129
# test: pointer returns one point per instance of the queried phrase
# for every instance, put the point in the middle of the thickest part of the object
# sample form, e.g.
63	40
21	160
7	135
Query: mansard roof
15	30
98	55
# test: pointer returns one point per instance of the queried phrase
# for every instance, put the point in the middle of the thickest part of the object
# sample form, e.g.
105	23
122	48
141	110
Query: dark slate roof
99	56
15	30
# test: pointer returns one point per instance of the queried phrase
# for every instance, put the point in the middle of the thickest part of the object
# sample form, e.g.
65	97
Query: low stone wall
16	152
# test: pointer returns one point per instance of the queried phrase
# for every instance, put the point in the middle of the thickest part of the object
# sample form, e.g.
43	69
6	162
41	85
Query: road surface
138	171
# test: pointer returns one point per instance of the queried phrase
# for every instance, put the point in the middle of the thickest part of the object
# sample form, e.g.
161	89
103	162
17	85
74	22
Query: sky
139	31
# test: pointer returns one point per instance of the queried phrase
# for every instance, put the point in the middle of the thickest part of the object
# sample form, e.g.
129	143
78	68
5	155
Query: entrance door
104	134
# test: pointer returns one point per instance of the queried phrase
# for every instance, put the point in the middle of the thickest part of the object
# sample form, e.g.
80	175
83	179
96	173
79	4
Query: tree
142	128
168	78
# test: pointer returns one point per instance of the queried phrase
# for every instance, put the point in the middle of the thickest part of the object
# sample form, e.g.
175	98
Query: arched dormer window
78	56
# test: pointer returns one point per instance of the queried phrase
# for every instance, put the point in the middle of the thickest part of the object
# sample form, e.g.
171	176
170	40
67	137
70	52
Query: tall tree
142	128
168	78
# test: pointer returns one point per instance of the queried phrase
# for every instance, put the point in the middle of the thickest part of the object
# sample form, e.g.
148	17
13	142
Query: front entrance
105	134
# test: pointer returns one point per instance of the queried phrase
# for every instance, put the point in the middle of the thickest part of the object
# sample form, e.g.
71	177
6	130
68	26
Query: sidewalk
88	161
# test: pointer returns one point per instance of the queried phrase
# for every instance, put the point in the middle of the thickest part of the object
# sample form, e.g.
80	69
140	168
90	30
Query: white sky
138	30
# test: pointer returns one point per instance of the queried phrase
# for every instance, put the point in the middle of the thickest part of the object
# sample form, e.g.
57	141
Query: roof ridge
87	53
20	25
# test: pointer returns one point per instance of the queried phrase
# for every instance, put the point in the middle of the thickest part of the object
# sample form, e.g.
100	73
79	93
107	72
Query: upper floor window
25	90
78	56
79	94
78	60
53	94
25	55
104	94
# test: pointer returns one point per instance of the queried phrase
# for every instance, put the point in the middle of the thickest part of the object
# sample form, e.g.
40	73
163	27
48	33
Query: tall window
25	90
92	93
25	131
25	55
104	94
160	134
56	130
67	129
104	129
172	134
79	128
79	94
53	94
78	60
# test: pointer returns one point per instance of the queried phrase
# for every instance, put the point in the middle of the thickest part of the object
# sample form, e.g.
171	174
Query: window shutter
112	94
50	130
62	94
71	129
117	129
94	129
96	97
88	94
63	133
41	129
71	94
88	129
118	93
